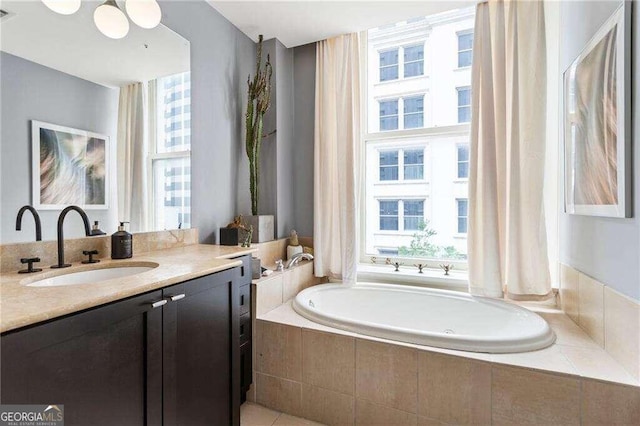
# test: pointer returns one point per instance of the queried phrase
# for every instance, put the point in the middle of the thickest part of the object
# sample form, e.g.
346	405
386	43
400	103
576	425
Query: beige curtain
132	150
507	236
337	142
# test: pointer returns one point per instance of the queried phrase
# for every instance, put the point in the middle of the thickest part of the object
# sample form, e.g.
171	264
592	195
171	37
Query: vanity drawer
245	328
245	270
246	367
245	299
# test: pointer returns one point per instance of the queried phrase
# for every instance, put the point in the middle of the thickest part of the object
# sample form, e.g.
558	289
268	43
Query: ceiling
295	23
72	44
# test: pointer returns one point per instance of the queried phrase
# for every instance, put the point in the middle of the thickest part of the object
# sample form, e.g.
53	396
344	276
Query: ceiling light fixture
144	13
110	20
63	7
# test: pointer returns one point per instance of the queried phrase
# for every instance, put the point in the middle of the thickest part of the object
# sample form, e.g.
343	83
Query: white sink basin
92	276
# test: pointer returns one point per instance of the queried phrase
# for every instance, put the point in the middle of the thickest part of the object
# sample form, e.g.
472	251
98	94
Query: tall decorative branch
258	103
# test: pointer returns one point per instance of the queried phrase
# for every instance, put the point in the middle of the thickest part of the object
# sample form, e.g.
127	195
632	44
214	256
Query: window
389	165
388	252
414	112
464	104
413	61
462	215
389	115
465	46
413	214
170	153
389	215
463	161
413	164
389	65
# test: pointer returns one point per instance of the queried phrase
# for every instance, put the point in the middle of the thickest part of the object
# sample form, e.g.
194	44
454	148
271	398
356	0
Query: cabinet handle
176	297
158	303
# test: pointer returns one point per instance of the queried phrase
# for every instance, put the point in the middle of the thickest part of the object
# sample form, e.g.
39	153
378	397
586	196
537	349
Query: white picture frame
69	167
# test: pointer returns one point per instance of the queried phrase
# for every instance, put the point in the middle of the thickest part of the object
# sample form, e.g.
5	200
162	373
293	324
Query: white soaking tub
440	318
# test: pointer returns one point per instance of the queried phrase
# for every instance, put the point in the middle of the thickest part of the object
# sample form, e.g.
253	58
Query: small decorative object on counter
256	268
248	235
121	243
396	265
446	268
279	265
308	250
420	266
294	246
95	230
373	259
230	235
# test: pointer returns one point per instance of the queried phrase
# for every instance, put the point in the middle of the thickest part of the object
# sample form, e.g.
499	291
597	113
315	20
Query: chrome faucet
87	230
297	258
36	218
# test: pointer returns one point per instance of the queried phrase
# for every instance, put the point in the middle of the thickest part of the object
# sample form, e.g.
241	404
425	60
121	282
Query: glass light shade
144	13
110	20
63	7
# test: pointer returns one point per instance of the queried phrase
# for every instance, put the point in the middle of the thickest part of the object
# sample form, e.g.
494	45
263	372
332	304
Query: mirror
93	121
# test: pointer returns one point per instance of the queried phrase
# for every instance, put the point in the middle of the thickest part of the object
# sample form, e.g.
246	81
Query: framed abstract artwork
597	120
70	166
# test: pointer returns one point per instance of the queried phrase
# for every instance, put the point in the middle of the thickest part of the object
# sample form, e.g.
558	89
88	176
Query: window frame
397	64
465	217
405	113
458	161
458	90
463	33
397	100
397	215
404	62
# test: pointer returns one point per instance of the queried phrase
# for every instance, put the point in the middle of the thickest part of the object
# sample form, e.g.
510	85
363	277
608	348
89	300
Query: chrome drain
311	304
449	331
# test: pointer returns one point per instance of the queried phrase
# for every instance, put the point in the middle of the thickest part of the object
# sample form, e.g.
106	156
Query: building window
413	164
413	61
388	252
389	115
389	165
463	161
464	104
463	206
465	49
389	65
389	215
413	214
413	112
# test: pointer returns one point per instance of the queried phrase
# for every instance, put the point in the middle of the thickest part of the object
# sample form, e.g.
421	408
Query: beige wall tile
287	420
328	361
370	414
591	317
454	390
596	364
610	404
268	294
279	394
622	330
271	251
569	291
387	374
297	279
567	331
425	421
328	407
256	415
279	350
521	397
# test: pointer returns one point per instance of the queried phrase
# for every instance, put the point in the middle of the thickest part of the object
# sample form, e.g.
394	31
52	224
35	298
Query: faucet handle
29	261
90	253
279	265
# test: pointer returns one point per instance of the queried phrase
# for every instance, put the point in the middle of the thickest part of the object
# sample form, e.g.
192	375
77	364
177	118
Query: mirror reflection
91	120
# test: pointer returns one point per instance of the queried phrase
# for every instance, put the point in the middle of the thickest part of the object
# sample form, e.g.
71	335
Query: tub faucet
36	218
297	258
87	231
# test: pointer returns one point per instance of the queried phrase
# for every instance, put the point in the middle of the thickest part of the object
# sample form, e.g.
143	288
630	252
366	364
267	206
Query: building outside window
389	215
413	164
413	61
463	206
464	104
413	214
389	165
389	65
413	112
465	48
463	161
389	114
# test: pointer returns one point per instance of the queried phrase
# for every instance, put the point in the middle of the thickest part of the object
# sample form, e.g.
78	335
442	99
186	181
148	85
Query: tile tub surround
47	251
611	319
336	377
21	305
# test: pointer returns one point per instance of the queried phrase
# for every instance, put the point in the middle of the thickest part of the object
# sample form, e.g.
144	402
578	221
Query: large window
416	138
464	104
170	152
465	48
389	65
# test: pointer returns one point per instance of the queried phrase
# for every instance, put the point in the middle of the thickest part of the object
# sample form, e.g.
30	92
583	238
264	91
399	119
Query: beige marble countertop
21	305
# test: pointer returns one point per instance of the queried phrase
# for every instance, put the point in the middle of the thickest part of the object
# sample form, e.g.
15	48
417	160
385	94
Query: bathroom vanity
173	355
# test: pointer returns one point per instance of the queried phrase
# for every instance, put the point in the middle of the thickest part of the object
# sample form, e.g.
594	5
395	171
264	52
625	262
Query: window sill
460	236
399	80
401	182
461	180
462	68
409	275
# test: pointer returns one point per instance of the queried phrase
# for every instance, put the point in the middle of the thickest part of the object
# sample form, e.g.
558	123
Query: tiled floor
256	415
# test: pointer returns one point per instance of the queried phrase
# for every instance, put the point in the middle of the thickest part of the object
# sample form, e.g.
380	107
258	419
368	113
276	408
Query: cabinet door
197	350
104	364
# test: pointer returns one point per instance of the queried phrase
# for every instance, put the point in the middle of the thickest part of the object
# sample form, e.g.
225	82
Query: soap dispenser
96	229
121	243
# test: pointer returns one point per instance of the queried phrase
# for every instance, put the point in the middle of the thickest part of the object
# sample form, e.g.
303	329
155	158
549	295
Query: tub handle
311	304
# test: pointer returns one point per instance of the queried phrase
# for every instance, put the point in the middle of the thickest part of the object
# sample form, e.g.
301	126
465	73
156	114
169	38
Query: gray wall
304	77
33	92
604	248
221	59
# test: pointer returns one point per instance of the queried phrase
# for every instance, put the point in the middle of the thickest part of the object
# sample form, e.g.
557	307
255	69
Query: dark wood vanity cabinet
130	363
245	328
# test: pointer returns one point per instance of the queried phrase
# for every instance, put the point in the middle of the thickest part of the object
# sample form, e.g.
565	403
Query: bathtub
444	319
